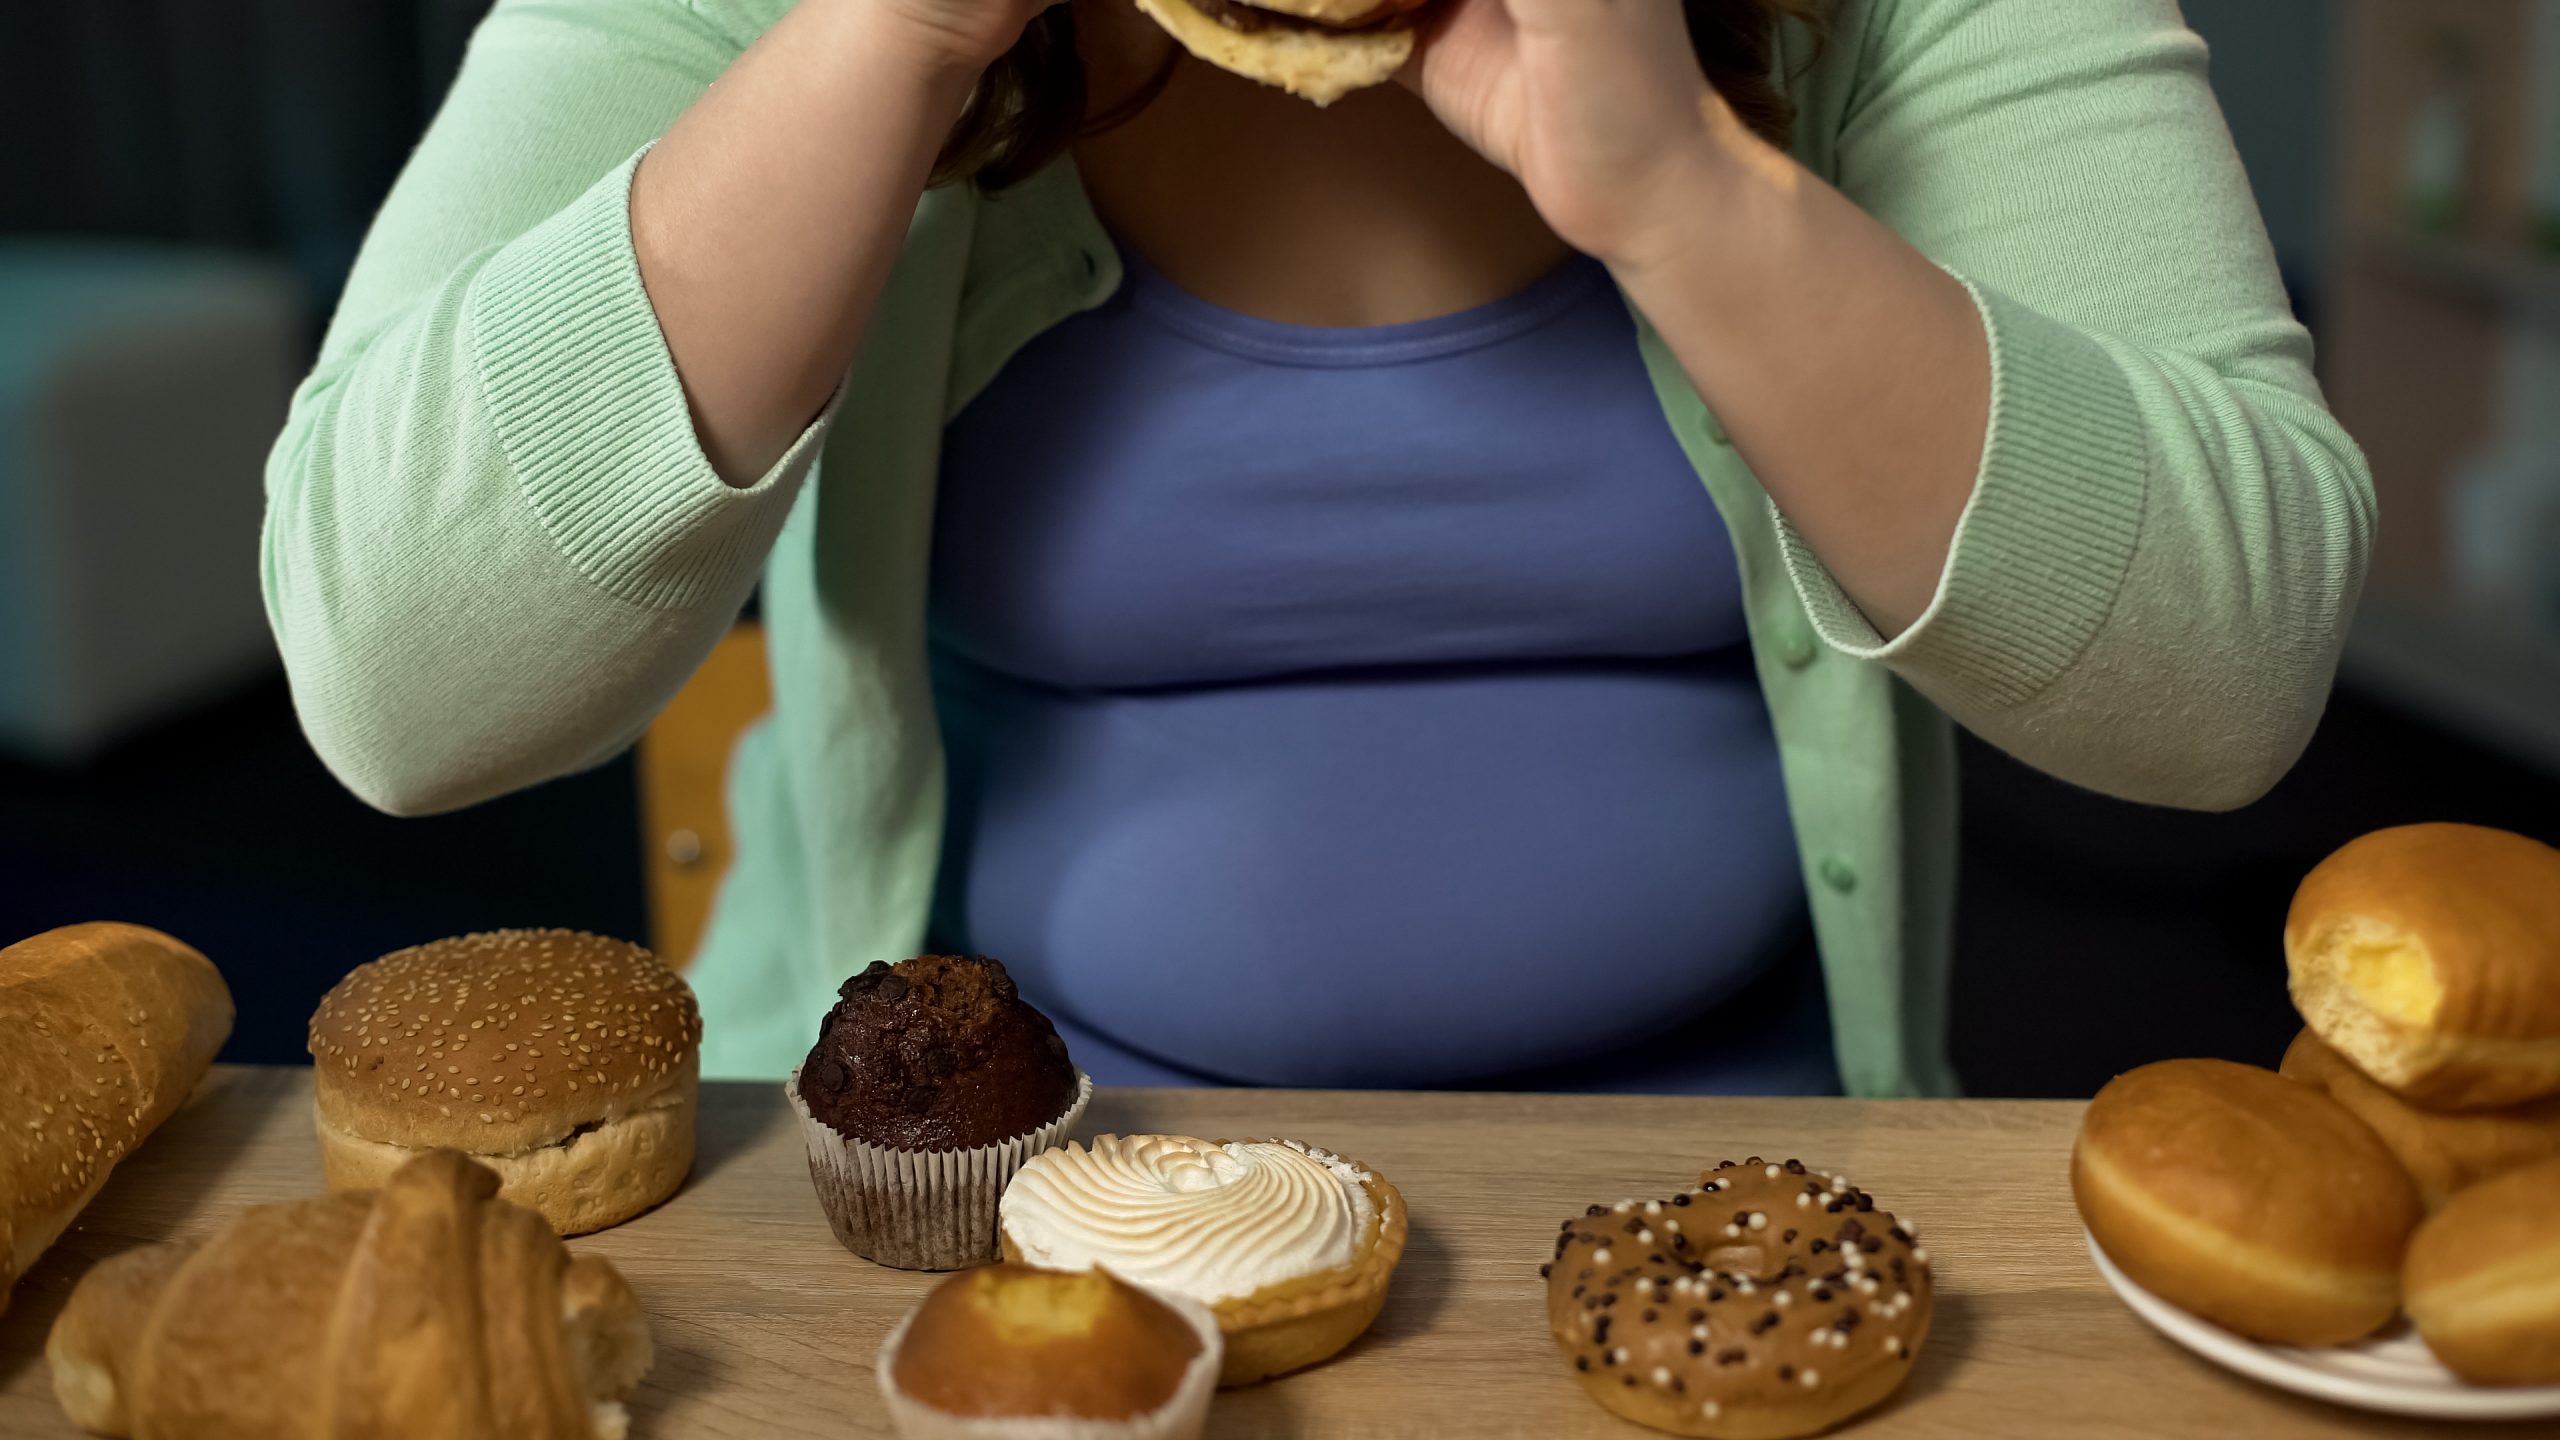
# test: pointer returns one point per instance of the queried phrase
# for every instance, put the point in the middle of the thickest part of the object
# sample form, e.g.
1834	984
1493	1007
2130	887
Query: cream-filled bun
2429	955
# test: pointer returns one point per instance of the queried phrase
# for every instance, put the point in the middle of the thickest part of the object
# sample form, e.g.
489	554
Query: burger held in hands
2406	1158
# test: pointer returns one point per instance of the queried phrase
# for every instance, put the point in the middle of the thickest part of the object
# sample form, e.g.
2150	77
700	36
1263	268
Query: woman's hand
1598	107
1851	374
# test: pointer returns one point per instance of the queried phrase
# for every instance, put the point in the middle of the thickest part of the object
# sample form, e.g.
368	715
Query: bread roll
2429	955
2483	1279
2240	1196
109	1028
564	1062
2444	1151
424	1311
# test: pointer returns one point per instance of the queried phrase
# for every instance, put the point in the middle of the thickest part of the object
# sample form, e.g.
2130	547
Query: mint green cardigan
493	549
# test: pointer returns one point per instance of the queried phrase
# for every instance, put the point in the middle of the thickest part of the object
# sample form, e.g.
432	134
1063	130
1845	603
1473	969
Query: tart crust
1310	1319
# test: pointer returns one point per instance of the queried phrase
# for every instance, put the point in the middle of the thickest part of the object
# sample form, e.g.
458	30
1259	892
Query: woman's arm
2078	487
767	220
496	540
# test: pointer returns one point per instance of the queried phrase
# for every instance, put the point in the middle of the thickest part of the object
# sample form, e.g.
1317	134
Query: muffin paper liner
1180	1418
920	1209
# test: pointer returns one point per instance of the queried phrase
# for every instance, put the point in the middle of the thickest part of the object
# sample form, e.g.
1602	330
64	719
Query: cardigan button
1796	649
1837	873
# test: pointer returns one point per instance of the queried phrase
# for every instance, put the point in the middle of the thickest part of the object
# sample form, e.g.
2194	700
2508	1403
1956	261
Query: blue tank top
1362	707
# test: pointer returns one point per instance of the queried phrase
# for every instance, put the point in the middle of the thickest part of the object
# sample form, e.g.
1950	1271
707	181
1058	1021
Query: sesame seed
1662	1375
1811	1378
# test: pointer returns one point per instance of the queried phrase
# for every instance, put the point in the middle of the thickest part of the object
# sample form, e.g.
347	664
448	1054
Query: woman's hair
1030	104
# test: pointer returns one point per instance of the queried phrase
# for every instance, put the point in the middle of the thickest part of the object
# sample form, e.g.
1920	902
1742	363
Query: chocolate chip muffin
931	1082
936	1053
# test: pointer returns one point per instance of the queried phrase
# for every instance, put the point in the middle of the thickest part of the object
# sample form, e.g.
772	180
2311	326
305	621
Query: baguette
427	1310
109	1028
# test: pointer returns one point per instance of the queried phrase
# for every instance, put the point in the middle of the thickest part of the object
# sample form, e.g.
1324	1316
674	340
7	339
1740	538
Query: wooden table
766	1328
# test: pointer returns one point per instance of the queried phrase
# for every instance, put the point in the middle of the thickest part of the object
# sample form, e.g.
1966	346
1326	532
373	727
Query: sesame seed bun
566	1062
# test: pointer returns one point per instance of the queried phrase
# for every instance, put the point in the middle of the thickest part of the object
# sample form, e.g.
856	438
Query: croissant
426	1310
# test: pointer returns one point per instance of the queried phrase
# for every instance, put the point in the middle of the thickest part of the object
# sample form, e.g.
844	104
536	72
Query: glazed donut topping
1766	1282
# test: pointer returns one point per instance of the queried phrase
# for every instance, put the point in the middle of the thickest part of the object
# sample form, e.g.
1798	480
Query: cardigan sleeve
2150	586
493	548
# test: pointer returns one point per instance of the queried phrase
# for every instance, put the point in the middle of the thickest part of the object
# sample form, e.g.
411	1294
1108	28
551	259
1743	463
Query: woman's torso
1357	707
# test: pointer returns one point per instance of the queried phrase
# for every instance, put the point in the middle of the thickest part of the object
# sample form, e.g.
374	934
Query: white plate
2391	1372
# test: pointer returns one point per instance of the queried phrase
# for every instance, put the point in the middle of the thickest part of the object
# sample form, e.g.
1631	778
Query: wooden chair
683	763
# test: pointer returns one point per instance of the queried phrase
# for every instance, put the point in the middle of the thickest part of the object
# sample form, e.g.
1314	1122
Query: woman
1467	586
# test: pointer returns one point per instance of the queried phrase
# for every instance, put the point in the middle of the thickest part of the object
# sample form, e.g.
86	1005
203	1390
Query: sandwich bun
565	1062
1318	50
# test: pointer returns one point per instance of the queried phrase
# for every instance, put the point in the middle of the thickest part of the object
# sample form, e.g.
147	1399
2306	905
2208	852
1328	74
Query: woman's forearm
1850	373
769	216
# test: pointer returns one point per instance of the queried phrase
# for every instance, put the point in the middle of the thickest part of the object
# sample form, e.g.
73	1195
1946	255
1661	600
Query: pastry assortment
2407	1157
1009	1352
427	1310
109	1029
478	1098
1772	1300
931	1082
1289	1246
563	1062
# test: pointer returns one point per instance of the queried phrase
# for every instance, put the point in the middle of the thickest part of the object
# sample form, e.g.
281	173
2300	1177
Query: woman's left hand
1598	107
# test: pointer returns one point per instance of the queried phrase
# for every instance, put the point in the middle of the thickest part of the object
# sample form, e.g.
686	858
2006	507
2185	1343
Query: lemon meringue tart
1289	1246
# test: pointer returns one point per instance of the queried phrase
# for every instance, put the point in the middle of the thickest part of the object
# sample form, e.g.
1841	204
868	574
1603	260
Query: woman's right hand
966	33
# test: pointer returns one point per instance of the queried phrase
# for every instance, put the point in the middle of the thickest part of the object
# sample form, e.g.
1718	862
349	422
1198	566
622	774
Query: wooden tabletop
766	1328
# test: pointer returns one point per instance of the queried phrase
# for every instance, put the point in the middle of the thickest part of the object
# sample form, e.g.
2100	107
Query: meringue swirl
1210	1221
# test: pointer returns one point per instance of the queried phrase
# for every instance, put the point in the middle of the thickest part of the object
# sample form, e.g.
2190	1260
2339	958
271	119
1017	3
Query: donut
1770	1301
2253	1201
2483	1279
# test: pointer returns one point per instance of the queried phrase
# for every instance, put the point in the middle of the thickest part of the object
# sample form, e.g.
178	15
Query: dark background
2094	935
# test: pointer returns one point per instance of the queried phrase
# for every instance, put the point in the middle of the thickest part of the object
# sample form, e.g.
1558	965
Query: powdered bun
1316	65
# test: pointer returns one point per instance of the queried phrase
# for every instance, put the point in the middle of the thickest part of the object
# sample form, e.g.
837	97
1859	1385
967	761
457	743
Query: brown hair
1030	104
